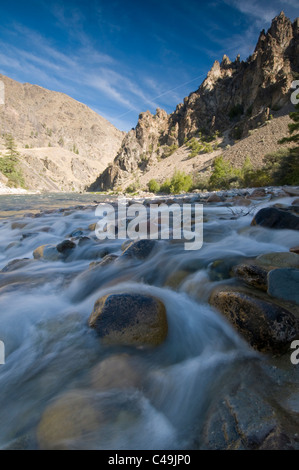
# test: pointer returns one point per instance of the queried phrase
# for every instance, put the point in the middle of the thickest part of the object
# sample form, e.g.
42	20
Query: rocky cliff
63	144
235	98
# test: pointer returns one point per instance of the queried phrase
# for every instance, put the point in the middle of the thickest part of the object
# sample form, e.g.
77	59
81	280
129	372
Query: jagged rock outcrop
235	96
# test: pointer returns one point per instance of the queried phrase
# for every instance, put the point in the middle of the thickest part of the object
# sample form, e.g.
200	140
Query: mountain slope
235	98
63	141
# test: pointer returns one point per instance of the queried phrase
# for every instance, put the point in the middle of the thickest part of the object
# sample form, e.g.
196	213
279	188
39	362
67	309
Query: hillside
63	144
235	100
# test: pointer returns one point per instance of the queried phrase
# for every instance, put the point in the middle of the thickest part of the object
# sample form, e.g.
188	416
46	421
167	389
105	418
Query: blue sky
124	57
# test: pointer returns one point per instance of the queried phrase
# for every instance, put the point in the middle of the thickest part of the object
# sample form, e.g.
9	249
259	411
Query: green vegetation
224	174
133	187
293	127
10	145
9	164
153	186
179	182
195	146
169	150
203	145
61	142
74	149
9	168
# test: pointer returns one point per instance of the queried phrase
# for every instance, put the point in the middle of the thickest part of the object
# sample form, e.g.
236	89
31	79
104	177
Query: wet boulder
265	325
65	246
140	249
271	217
215	198
130	319
252	275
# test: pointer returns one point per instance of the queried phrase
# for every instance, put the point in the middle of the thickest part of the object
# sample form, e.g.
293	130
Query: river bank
219	376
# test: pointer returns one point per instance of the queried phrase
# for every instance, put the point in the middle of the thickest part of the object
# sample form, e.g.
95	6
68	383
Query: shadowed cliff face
235	96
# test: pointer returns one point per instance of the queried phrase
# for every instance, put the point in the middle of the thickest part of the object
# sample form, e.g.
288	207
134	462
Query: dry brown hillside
65	144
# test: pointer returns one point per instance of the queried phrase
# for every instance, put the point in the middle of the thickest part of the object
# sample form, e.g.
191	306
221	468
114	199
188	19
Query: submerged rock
117	371
16	264
283	259
265	325
71	417
130	319
108	259
47	253
175	279
284	284
271	217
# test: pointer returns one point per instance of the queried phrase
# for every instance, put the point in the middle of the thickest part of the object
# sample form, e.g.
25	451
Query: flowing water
52	356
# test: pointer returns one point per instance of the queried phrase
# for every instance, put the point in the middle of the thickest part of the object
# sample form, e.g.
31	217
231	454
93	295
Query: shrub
180	182
169	150
195	146
9	168
153	186
165	186
222	174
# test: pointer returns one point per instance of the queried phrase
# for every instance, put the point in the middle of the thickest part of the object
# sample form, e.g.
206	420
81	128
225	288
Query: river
52	356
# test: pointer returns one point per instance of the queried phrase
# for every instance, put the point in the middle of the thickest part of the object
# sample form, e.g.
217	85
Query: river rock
18	225
258	193
108	259
77	233
265	325
140	249
47	253
175	279
252	275
119	371
249	419
92	227
66	246
239	201
284	284
130	319
126	244
215	198
270	217
16	264
71	417
279	260
223	268
84	241
291	190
